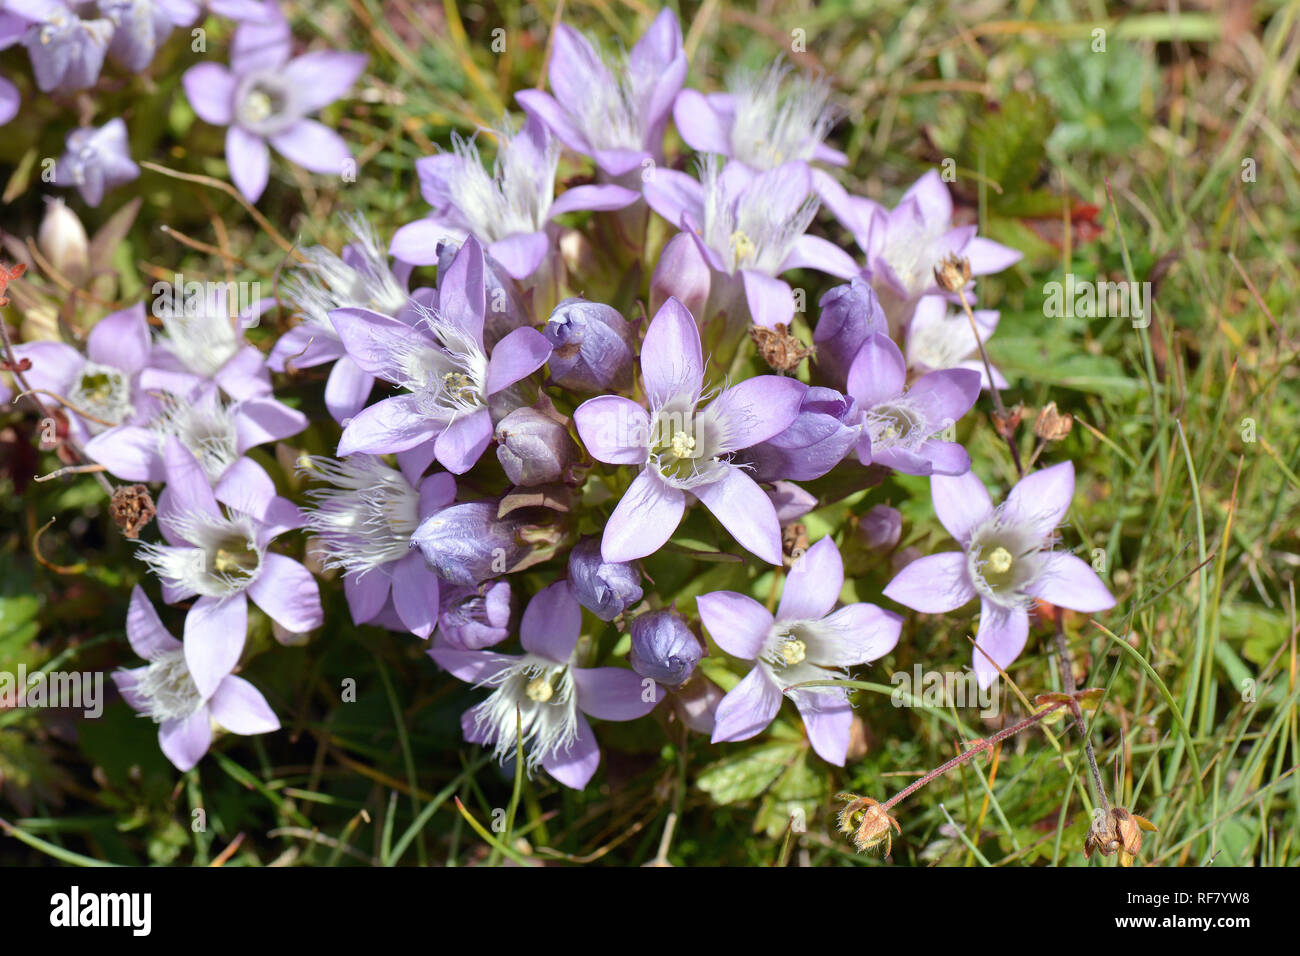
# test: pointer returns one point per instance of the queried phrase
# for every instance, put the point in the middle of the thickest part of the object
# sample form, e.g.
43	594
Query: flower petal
288	593
614	429
210	88
672	361
249	161
645	518
739	503
737	623
574	765
314	147
521	353
1067	581
749	707
241	709
813	585
144	628
392	425
1002	635
215	630
961	502
184	742
321	77
551	622
614	693
933	584
1041	499
463	441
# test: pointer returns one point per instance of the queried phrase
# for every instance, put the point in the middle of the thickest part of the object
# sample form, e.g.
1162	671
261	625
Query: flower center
792	651
896	424
266	104
539	689
236	559
104	392
743	249
168	688
1000	560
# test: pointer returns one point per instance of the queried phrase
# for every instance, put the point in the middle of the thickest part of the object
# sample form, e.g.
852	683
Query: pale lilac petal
574	766
187	482
933	584
672	362
551	623
645	518
417	242
613	429
287	592
814	252
347	389
932	198
744	510
184	742
543	106
144	628
522	253
702	128
321	77
366	594
415	594
672	194
1002	635
249	161
748	708
878	372
121	339
463	441
210	88
594	197
436	492
128	452
392	425
737	623
770	301
813	585
462	299
754	410
378	343
241	709
521	353
263	420
945	396
872	633
613	693
215	629
54	365
1066	581
827	719
472	667
315	147
946	457
1041	499
127	681
960	502
987	257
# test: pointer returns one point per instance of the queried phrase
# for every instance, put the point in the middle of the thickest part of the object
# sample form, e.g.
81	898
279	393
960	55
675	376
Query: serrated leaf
747	774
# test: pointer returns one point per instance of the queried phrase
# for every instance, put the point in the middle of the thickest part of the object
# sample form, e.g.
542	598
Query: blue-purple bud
593	347
472	620
880	528
850	314
605	588
535	449
790	501
815	442
663	648
467	543
66	51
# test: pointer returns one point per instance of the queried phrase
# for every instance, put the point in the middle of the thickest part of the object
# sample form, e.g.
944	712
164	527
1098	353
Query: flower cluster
507	457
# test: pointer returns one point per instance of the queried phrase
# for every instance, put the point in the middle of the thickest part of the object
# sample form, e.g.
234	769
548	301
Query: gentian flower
605	588
265	96
467	543
593	347
1006	560
807	641
472	618
66	51
880	528
508	307
104	382
749	227
615	113
508	209
663	648
904	244
535	448
767	117
899	424
164	691
96	161
940	337
221	556
141	26
849	315
215	431
824	431
203	341
364	524
448	374
360	278
547	689
684	450
682	273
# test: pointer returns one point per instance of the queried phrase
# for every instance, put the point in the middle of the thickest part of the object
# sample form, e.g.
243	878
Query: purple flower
549	692
221	556
215	431
767	118
364	523
807	641
899	424
473	618
508	308
203	341
444	366
266	96
939	337
850	314
141	26
593	347
165	691
904	244
880	528
749	227
1007	561
663	648
791	501
682	273
96	160
105	382
534	448
508	208
10	101
684	450
66	51
360	278
467	543
614	113
605	588
824	431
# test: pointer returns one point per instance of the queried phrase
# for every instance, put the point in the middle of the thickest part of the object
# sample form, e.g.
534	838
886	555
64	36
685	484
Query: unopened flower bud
790	501
682	273
952	273
605	588
850	314
63	242
472	620
593	347
468	543
534	448
880	528
663	648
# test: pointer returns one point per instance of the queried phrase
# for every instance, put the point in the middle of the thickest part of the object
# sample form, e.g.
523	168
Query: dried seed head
1052	425
131	509
1117	832
952	272
780	350
868	821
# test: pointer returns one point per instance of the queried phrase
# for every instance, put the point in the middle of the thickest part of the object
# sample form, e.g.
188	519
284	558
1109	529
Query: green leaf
747	774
